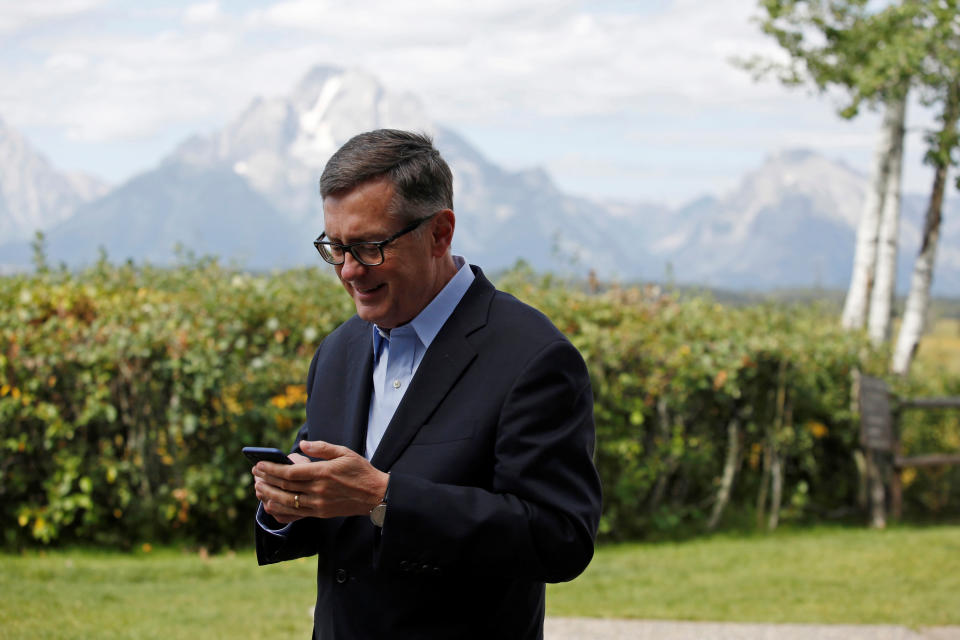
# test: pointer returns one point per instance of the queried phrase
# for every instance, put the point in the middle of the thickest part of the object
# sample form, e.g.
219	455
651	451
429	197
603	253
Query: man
444	472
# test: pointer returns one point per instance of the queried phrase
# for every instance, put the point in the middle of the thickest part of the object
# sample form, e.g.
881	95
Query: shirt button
341	575
396	384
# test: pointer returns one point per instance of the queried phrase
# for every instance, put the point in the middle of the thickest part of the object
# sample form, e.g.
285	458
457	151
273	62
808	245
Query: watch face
378	513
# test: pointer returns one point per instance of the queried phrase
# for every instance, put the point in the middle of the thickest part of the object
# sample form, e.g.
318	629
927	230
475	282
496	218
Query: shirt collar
427	324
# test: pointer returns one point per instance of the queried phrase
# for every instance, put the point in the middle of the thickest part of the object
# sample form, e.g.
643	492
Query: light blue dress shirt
397	353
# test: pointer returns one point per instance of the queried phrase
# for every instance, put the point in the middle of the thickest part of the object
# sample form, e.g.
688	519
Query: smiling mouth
370	290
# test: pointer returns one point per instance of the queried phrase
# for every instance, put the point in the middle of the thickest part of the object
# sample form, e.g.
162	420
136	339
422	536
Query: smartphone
256	454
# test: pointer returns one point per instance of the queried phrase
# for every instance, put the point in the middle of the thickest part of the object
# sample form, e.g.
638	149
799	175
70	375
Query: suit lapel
449	355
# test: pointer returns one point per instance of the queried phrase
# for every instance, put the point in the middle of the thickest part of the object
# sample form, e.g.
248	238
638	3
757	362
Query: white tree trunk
918	300
865	255
729	473
776	499
878	492
881	297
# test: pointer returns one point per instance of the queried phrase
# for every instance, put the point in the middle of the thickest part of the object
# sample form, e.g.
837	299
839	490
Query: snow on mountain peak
280	145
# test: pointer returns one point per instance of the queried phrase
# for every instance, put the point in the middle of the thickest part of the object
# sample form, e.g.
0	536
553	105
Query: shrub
127	392
673	378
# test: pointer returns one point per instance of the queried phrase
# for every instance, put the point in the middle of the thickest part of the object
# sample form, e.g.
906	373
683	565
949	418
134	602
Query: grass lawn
940	346
903	575
162	594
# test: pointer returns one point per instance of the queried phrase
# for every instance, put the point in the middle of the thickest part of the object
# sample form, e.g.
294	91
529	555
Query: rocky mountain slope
33	194
248	193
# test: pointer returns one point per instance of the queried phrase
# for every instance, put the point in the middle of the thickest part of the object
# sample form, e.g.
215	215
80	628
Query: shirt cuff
269	524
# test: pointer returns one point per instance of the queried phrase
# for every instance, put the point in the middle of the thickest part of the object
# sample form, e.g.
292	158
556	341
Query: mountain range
248	193
33	194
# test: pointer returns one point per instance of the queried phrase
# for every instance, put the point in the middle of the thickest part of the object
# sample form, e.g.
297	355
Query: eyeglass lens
368	254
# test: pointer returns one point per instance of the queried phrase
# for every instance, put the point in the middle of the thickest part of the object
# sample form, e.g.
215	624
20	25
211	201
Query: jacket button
341	575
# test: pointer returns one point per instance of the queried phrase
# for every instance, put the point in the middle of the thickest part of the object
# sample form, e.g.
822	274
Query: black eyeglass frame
380	244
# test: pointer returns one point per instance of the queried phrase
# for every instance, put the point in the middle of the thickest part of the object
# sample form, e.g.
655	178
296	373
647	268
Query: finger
282	515
299	459
293	499
266	469
278	502
258	489
325	450
265	488
266	492
280	508
294	478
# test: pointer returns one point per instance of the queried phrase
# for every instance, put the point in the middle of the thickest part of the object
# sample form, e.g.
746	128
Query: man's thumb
318	449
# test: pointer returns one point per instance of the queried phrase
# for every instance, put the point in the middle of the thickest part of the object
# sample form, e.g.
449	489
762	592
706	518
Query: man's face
392	293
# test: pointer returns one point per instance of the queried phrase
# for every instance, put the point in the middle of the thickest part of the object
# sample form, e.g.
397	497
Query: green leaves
126	394
871	53
670	374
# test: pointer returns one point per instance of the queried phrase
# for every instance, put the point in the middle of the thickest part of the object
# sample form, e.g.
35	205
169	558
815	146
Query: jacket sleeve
540	517
302	538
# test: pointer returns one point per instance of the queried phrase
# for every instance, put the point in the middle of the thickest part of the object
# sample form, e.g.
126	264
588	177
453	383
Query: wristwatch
378	513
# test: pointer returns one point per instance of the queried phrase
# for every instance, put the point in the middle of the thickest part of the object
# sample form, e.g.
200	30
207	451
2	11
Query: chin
373	315
368	315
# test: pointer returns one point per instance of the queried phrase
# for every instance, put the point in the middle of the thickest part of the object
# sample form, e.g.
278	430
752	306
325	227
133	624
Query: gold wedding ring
296	501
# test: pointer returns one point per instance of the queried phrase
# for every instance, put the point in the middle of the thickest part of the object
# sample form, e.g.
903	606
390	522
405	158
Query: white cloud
101	88
663	69
20	14
472	62
66	62
203	13
556	58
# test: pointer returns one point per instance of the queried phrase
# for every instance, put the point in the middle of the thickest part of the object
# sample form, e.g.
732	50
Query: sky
617	100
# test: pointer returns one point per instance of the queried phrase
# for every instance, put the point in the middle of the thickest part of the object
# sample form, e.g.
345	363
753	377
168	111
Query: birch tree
918	299
868	55
941	79
888	235
855	306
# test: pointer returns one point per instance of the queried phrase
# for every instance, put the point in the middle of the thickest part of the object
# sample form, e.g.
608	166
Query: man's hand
342	484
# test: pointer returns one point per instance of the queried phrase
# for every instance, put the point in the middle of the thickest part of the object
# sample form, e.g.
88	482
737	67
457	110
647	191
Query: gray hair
422	179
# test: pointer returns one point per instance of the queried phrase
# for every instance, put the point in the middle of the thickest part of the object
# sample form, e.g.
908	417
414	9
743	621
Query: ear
441	232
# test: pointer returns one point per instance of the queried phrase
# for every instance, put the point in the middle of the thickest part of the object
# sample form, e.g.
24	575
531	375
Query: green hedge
126	393
931	492
672	377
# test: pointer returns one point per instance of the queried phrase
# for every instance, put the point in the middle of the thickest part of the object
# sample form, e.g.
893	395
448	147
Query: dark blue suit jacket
492	492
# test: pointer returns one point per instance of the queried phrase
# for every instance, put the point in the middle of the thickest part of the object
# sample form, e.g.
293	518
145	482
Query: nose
351	268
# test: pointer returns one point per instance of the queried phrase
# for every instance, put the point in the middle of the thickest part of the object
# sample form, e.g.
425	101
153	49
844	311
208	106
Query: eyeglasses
369	254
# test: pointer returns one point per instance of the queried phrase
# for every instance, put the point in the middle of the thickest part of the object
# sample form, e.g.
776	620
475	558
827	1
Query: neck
446	269
445	272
